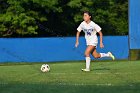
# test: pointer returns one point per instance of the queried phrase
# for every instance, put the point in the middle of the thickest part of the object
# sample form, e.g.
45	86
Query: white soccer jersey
90	31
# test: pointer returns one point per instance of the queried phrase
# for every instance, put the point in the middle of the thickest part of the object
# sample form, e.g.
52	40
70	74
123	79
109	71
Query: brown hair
87	12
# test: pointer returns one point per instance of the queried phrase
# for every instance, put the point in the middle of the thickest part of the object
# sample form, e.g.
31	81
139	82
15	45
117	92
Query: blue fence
134	24
56	49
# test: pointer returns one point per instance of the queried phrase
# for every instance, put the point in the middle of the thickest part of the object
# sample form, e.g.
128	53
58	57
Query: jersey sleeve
79	29
97	28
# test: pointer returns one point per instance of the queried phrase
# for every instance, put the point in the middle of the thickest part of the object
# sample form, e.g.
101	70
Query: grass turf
67	77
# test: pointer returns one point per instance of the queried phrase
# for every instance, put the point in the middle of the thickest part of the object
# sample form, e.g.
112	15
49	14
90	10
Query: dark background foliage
46	18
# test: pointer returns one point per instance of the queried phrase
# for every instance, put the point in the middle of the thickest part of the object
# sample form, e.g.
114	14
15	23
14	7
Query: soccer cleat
111	55
86	70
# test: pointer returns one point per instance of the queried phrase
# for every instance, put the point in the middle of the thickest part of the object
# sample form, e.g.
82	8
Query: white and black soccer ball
45	68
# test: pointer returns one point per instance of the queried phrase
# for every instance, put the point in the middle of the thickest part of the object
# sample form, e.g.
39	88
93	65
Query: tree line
46	18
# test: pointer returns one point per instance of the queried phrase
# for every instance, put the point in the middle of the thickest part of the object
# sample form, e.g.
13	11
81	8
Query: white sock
104	54
87	62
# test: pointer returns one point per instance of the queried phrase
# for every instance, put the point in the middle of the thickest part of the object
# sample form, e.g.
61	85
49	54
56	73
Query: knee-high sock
104	54
87	62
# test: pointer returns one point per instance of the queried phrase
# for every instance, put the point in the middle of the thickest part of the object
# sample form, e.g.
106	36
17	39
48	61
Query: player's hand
76	44
101	45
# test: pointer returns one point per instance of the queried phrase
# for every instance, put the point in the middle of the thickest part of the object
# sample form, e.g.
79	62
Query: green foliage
110	14
24	17
20	17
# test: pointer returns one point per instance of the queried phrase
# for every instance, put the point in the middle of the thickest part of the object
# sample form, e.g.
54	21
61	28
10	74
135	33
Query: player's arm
79	29
101	39
77	39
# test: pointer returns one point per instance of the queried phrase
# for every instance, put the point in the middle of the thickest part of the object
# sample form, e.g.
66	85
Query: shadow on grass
100	69
59	88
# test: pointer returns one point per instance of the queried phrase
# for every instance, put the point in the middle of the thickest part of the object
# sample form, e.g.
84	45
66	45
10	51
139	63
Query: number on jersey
88	33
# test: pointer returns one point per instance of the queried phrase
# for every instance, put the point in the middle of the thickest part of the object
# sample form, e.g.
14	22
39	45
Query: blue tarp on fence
56	49
134	24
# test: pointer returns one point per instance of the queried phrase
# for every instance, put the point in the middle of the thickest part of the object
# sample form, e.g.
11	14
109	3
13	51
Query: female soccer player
90	29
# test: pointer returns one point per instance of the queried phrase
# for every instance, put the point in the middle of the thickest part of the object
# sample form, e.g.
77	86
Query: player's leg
88	50
95	54
100	55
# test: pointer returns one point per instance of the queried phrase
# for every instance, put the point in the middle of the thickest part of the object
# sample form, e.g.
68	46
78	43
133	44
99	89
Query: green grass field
67	77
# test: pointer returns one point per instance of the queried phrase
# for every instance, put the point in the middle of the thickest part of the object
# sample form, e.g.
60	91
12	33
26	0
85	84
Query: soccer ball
45	68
